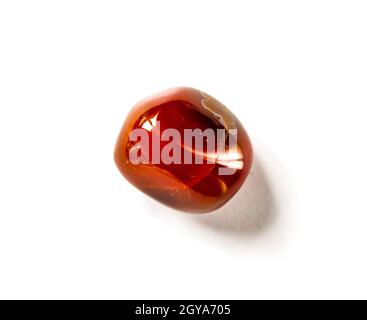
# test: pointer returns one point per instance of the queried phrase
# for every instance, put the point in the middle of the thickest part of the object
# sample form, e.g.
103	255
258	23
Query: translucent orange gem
185	149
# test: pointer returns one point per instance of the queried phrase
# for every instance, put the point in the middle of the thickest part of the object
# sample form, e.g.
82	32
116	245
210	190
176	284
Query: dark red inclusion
182	115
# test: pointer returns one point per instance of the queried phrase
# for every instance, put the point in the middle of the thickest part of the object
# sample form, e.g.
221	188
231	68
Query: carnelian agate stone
197	187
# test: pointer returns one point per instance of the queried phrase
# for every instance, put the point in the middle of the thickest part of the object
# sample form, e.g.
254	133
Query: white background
295	74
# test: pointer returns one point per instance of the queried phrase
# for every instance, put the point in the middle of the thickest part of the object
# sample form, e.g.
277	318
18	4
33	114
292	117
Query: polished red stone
191	187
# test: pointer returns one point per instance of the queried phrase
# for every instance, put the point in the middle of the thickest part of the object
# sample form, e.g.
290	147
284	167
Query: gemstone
185	149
